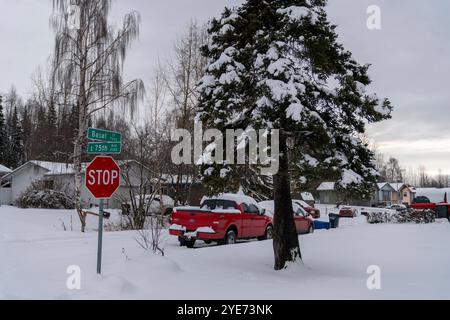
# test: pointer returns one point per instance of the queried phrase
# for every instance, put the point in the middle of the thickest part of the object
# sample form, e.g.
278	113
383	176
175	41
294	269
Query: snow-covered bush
413	216
46	199
378	217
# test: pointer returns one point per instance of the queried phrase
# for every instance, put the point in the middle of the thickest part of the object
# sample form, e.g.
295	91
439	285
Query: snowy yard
35	253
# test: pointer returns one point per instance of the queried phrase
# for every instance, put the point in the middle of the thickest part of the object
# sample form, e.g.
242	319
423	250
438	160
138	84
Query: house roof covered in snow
4	169
58	168
307	196
68	169
381	185
55	168
386	186
397	185
326	186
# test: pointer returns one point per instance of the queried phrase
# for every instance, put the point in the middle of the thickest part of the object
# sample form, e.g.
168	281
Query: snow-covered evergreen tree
3	136
277	64
17	154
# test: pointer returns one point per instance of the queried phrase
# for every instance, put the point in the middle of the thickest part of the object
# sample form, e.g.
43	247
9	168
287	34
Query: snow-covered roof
307	196
381	185
392	185
399	186
326	186
4	169
68	169
59	168
55	168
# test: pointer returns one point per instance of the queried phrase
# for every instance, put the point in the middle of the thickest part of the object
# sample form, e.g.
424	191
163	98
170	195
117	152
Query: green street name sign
96	148
104	136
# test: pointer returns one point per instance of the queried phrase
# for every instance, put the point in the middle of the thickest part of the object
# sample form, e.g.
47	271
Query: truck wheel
190	243
230	238
268	235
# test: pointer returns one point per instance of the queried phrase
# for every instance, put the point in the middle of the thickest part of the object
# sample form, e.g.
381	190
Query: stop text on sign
102	177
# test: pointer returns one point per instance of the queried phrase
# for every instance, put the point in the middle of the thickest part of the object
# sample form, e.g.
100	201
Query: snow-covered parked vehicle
304	222
315	213
223	219
152	204
401	208
348	212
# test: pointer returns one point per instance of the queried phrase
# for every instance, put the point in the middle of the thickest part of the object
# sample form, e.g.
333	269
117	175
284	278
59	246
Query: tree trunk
77	161
82	120
285	239
79	144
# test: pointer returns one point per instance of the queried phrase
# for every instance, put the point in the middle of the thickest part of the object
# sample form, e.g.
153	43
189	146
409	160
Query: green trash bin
334	220
442	211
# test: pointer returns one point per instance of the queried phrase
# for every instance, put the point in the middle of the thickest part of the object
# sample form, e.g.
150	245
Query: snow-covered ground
35	253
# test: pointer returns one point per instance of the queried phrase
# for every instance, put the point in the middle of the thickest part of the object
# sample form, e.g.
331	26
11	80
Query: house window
6	185
49	185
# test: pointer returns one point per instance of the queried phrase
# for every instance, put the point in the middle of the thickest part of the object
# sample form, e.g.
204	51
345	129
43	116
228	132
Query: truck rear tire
190	243
267	235
230	238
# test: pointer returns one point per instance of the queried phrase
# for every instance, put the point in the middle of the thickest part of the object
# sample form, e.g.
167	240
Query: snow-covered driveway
35	253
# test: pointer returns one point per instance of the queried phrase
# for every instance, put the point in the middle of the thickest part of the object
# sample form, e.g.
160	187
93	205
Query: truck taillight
176	220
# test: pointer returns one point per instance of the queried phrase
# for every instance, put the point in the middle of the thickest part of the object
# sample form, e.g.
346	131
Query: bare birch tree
89	58
182	77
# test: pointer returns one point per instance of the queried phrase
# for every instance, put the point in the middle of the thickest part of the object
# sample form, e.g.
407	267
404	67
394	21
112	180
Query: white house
326	193
4	170
61	176
4	192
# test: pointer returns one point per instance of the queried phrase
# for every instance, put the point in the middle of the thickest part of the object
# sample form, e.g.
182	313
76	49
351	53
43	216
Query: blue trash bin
321	225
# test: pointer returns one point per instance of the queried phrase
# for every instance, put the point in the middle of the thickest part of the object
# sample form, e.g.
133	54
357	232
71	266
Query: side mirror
262	211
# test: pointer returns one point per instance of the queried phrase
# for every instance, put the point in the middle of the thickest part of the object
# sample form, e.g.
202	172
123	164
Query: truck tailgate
193	219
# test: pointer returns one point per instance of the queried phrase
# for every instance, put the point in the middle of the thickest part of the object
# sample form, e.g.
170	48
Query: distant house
406	193
4	170
4	190
396	193
387	194
326	194
61	176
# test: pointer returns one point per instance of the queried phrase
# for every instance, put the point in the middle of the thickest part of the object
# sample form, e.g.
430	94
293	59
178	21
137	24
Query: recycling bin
334	220
442	211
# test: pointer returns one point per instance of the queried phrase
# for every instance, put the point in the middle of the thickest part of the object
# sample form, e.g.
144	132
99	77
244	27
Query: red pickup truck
224	220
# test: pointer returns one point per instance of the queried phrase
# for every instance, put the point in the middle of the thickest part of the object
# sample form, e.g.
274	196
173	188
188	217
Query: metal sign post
100	237
103	175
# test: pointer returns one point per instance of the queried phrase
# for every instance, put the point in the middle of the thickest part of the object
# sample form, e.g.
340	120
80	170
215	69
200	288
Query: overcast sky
410	57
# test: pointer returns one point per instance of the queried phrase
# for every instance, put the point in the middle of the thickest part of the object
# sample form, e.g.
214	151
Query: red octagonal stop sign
103	177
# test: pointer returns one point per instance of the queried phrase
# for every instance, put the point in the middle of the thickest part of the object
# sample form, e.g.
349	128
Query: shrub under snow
417	216
46	199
